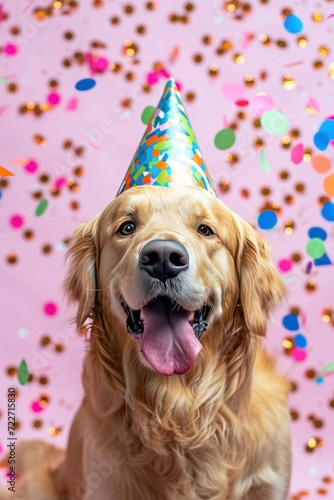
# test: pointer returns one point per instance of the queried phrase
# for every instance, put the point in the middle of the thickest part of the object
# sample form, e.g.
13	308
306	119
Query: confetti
41	207
5	173
297	153
329	184
274	122
317	232
327	211
31	166
72	104
264	162
234	92
23	373
85	84
299	354
285	265
300	341
293	24
323	261
16	221
321	164
261	103
321	141
328	368
290	322
267	219
10	49
315	248
147	114
50	309
224	139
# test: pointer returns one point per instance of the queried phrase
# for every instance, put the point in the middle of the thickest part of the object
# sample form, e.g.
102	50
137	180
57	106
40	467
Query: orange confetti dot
329	185
321	163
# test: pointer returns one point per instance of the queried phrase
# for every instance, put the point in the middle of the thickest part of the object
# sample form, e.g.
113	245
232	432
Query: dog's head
172	266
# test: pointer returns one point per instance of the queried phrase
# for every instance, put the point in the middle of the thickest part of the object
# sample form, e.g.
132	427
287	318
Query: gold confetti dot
114	20
300	187
30	105
265	39
287	343
224	186
79	171
141	29
12	258
311	286
258	143
318	423
330	70
311	374
245	193
289	226
286	142
282	44
296	257
327	315
231	158
231	6
43	380
257	123
11	371
302	41
295	310
317	17
190	96
4	183
68	35
324	50
289	199
239	58
129	9
293	386
45	340
318	64
294	414
307	154
151	5
213	70
37	424
207	39
28	234
130	48
46	248
331	403
54	431
288	81
44	178
286	12
312	443
249	80
197	58
57	4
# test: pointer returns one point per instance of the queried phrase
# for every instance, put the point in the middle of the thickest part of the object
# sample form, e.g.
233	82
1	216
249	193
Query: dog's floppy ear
261	289
80	283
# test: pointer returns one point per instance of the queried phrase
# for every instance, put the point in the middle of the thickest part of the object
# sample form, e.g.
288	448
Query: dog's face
172	263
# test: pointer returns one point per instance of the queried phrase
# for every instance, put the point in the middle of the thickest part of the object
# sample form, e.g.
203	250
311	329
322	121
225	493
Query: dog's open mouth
168	334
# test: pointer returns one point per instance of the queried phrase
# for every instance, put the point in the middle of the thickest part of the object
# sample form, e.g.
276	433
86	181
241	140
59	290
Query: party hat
168	154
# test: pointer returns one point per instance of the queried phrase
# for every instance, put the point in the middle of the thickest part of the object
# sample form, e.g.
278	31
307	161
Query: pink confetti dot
50	308
262	103
101	64
36	407
53	98
297	153
59	182
242	102
10	49
31	166
285	265
16	221
234	92
299	354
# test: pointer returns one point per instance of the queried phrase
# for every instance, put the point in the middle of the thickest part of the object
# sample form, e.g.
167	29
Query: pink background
35	279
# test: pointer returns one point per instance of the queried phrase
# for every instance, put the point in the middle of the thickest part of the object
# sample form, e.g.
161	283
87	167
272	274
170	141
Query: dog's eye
205	230
127	228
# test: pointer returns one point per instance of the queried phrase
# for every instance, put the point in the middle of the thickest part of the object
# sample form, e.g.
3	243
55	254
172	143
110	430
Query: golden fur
219	431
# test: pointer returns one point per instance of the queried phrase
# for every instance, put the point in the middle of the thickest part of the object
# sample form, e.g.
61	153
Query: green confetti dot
23	373
147	114
264	162
316	248
273	122
41	207
225	138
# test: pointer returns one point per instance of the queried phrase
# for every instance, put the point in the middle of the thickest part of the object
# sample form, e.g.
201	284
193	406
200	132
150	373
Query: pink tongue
168	341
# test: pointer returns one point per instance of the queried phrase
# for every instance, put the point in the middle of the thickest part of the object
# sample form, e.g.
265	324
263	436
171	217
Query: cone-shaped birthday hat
168	154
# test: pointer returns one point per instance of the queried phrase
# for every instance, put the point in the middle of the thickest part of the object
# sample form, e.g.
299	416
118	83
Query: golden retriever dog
181	402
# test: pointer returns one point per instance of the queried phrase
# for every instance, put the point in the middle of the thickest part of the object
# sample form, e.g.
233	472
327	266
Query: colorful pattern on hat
168	154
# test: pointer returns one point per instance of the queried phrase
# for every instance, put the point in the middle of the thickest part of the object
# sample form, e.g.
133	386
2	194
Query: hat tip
170	82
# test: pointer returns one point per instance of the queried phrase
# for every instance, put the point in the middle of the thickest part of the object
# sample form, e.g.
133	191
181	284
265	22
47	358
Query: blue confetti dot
300	341
85	84
317	232
327	127
0	194
321	140
319	380
293	24
290	322
267	219
23	332
328	211
60	246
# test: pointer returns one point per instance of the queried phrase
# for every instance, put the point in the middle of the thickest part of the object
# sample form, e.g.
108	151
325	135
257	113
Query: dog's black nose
163	259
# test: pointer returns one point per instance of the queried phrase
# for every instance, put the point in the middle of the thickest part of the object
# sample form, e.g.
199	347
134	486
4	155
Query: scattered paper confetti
85	84
297	153
234	92
327	211
317	232
225	138
315	248
321	164
267	219
329	185
41	207
274	122
23	372
147	114
293	24
5	173
290	322
264	162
